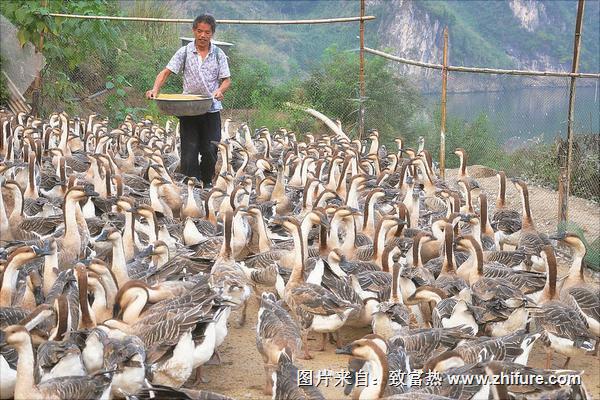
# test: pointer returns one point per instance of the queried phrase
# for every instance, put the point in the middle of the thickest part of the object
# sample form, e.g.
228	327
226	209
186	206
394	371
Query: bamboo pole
564	210
361	74
443	111
220	21
483	70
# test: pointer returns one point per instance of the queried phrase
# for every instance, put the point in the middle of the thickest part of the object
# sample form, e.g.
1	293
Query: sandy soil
241	374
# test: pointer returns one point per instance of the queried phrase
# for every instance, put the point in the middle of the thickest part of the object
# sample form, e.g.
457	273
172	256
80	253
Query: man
205	72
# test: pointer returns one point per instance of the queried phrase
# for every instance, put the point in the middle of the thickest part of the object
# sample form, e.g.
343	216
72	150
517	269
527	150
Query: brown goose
316	308
531	242
276	331
565	329
575	291
79	387
505	222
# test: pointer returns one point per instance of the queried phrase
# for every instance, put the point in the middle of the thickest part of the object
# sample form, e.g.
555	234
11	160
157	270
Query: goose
74	387
448	311
317	309
504	221
500	291
575	291
23	227
17	259
527	281
487	237
515	347
448	280
392	315
57	359
530	241
276	331
462	171
565	329
167	334
367	349
75	237
125	355
286	381
104	288
227	276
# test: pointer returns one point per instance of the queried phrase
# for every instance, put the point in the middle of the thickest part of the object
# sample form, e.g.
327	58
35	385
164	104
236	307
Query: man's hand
218	94
151	94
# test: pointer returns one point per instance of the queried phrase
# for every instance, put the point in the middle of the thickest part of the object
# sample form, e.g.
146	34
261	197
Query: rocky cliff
513	34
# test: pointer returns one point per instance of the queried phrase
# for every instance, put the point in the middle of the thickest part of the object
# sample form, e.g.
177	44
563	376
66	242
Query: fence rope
220	21
482	70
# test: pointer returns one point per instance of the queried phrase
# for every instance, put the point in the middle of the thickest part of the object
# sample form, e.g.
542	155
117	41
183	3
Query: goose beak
92	193
345	350
41	251
146	252
558	236
103	236
465	217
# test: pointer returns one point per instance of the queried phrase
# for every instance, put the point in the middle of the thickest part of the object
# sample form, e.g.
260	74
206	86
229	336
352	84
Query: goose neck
9	283
119	264
50	271
136	304
448	264
299	257
380	371
25	387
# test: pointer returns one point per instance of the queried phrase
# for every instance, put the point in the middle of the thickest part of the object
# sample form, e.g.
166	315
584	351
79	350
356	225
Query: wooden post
564	209
443	111
563	196
361	74
37	82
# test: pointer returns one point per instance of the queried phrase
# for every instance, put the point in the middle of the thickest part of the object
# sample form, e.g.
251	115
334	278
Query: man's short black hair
207	19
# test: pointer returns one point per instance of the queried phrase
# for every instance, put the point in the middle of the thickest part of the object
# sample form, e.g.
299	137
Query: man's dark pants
197	133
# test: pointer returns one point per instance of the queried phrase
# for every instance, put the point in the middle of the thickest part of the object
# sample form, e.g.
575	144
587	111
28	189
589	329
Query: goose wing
586	300
76	387
315	299
377	282
560	320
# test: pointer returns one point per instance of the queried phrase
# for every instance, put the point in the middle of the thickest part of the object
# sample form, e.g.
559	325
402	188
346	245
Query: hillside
519	34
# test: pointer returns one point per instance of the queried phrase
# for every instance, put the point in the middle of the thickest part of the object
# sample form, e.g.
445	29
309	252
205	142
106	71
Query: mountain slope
520	34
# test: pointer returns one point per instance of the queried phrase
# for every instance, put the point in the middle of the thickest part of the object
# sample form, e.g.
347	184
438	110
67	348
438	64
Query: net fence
517	124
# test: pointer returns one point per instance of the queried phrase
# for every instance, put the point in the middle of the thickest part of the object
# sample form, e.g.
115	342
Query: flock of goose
121	277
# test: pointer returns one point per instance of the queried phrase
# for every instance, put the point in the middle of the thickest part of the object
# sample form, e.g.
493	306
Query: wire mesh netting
517	123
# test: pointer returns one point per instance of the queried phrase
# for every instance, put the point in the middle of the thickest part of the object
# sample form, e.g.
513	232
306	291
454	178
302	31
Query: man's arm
223	87
158	82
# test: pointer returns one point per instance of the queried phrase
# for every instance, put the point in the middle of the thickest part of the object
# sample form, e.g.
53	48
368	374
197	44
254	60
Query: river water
529	113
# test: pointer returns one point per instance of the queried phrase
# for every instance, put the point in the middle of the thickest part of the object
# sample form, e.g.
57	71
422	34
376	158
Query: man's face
203	34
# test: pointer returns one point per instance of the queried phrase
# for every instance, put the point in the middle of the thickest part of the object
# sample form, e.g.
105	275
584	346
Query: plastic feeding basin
183	105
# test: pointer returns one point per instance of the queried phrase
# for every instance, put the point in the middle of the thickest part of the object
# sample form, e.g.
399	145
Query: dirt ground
241	374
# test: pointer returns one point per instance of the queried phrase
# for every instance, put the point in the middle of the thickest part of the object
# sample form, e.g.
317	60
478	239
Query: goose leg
268	381
323	340
306	355
242	318
215	359
332	337
567	363
338	340
549	358
198	378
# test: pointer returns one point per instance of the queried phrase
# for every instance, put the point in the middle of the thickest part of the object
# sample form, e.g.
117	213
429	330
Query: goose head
23	255
364	349
15	335
443	362
570	239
